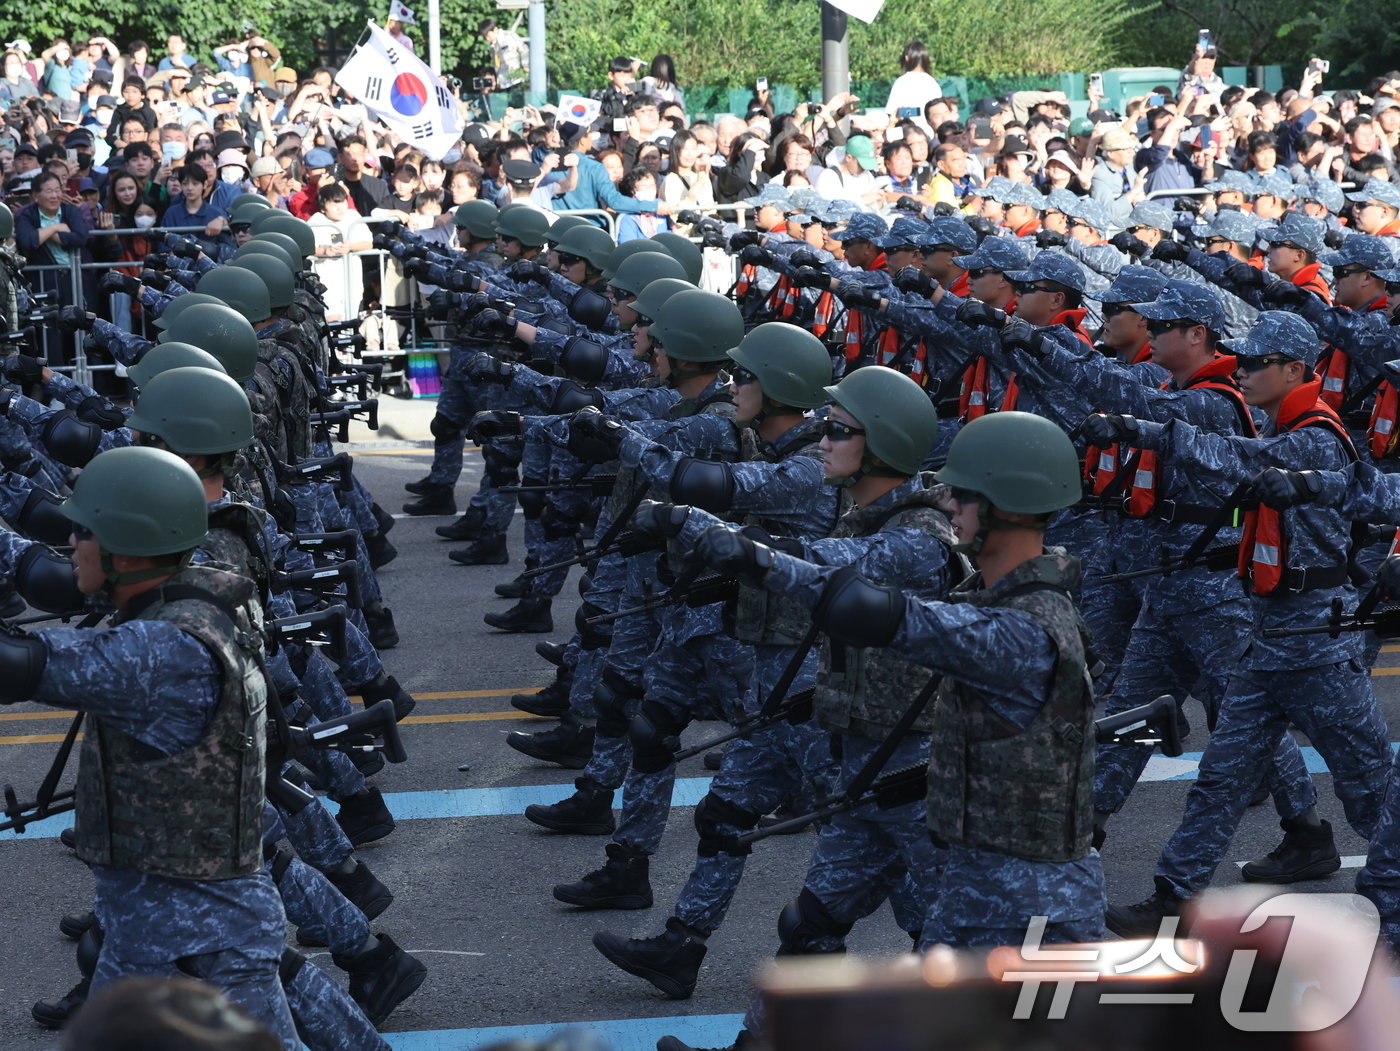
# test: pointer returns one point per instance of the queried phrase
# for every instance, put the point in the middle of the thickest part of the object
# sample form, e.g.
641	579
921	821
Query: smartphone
1095	83
72	156
619	124
1153	101
1206	137
1319	65
980	129
907	112
1204	40
762	85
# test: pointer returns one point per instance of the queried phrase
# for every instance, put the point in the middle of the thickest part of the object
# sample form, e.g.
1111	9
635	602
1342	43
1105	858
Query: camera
478	83
453	83
1319	65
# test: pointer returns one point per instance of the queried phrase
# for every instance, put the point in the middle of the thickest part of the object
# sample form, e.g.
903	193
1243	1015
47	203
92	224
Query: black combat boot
423	486
1307	852
550	703
569	745
552	652
714	759
670	961
620	884
380	551
76	924
468	527
381	978
1145	918
383	687
671	1043
517	588
531	615
367	763
363	888
364	818
588	812
489	550
379	619
384	519
437	501
53	1014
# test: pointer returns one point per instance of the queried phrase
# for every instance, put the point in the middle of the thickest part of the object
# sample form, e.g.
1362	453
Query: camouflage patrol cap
1186	301
1238	227
1090	211
1325	192
905	230
1278	332
1275	184
1051	266
994	253
951	231
994	188
1134	284
864	226
1060	201
1296	228
1152	214
1023	193
1378	190
1368	250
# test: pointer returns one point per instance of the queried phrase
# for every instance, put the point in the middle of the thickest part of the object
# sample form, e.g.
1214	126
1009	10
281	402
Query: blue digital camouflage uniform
1314	682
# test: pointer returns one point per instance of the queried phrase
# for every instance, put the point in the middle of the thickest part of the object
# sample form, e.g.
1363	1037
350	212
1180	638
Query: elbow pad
584	360
703	484
22	661
589	309
69	440
569	397
858	613
41	519
45	580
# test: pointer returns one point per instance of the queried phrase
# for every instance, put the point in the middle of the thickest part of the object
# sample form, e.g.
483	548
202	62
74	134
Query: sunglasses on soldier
963	496
1114	309
1247	363
80	533
983	271
740	376
567	260
1161	328
836	431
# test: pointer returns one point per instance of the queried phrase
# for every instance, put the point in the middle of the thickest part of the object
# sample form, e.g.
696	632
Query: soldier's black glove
1050	239
908	204
492	323
421	268
1279	488
857	296
1020	334
1244	275
101	412
1170	251
1129	242
441	303
1284	293
1388	576
485	368
1187	203
729	551
594	436
754	255
743	238
1104	429
527	270
657	519
479	301
462	281
154	261
25	371
980	225
913	280
493	423
155	279
184	247
976	314
808	277
1333	238
944	208
689	216
71	319
116	281
711	233
806	257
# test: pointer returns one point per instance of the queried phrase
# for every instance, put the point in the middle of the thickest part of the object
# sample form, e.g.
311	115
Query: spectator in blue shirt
193	209
178	56
591	185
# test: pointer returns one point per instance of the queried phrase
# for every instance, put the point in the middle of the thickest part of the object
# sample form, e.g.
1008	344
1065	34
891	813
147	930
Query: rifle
1150	724
1222	556
691	588
598	485
605	543
323	627
1375	612
629	544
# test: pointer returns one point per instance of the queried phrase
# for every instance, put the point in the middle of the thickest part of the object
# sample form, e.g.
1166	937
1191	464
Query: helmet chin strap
111	579
868	466
986	522
679	376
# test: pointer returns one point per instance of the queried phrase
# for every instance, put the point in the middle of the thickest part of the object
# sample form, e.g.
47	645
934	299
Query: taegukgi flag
397	86
575	109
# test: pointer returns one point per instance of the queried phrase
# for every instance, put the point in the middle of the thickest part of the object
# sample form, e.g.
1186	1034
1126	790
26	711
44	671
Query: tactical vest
865	691
761	617
236	539
1027	793
195	814
294	395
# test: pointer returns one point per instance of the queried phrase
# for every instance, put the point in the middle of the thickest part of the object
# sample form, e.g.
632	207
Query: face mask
231	174
173	150
145	222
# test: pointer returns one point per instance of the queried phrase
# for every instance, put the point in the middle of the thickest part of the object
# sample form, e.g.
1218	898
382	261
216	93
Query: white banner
397	86
865	10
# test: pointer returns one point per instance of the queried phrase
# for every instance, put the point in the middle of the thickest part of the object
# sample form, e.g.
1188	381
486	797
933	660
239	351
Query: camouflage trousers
1379	880
457	403
325	1016
1333	705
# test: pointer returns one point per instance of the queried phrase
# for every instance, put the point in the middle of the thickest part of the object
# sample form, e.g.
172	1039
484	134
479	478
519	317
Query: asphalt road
472	878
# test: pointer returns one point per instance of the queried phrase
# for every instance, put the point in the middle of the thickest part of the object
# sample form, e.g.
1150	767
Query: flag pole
435	36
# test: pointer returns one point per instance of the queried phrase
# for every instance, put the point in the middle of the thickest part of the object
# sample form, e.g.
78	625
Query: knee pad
290	966
656	736
610	703
556	524
589	636
89	948
716	819
532	503
584	583
499	465
805	920
444	429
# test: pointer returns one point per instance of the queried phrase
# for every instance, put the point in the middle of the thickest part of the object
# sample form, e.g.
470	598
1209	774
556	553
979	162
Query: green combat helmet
240	289
653	297
273	273
478	218
258	246
697	326
684	251
166	356
529	226
220	331
139	501
284	242
642	269
588	243
899	420
246	199
194	411
1020	462
286	223
180	304
7	222
791	364
244	214
627	250
563	225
